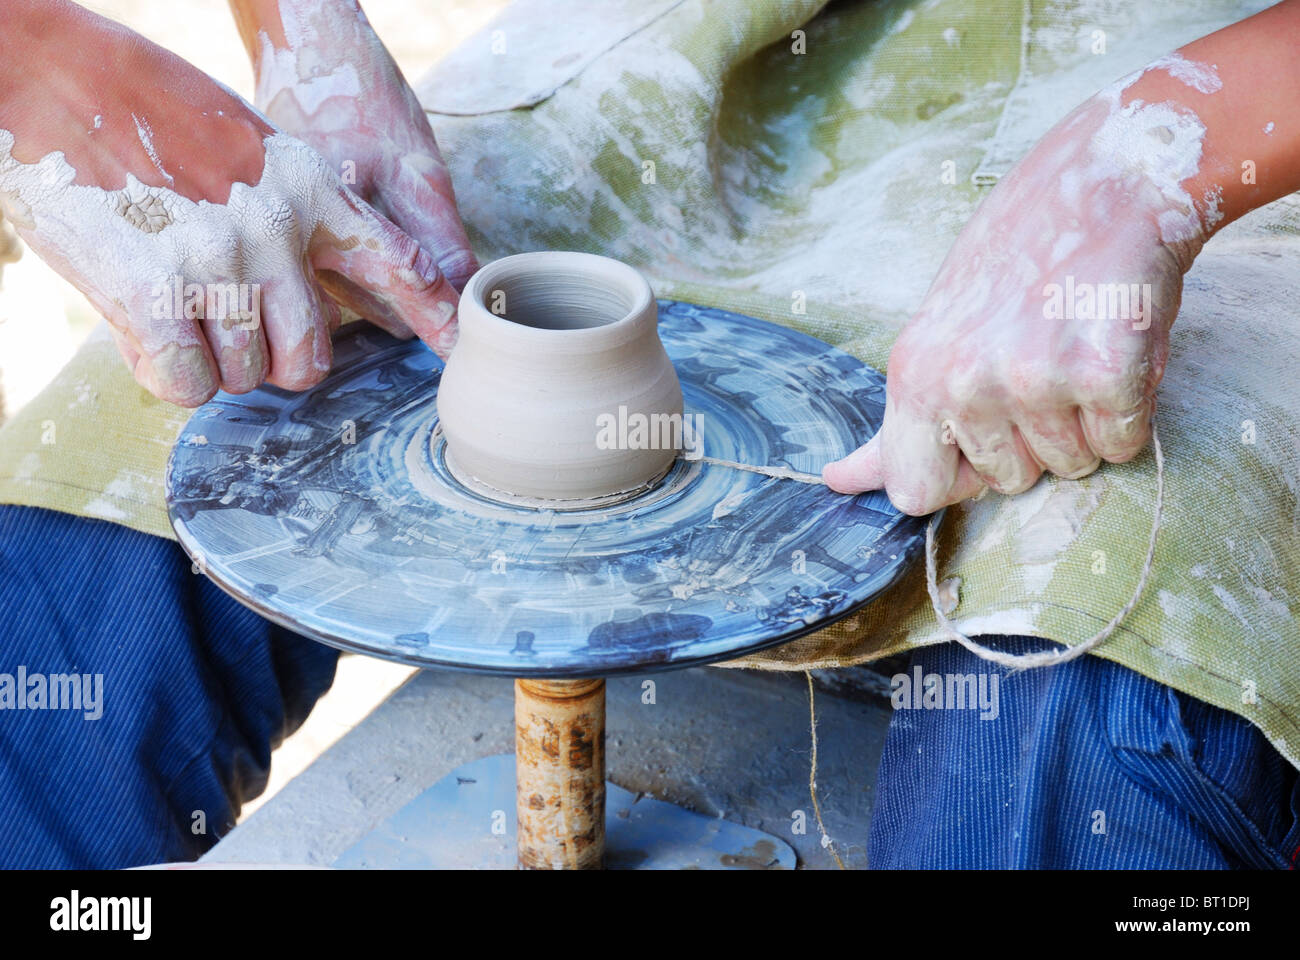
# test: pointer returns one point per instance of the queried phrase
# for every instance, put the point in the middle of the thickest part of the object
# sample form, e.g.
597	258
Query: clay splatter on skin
144	236
333	84
1203	77
311	78
1210	200
145	133
1081	389
1161	142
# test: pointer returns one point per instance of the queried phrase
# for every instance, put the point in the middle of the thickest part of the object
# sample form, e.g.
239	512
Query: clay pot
554	349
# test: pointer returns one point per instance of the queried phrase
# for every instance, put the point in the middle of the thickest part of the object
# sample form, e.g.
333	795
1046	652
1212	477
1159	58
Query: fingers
238	344
354	241
860	471
922	467
1058	442
997	454
278	332
296	322
916	470
916	467
333	312
968	486
919	467
428	213
361	302
129	353
1118	437
173	363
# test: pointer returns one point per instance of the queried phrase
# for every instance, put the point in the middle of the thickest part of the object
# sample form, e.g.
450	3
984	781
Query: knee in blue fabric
195	692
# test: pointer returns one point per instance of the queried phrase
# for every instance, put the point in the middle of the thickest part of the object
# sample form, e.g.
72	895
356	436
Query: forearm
255	18
86	102
314	59
268	26
1243	85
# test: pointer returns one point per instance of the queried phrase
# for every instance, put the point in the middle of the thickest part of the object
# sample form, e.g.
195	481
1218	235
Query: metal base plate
466	821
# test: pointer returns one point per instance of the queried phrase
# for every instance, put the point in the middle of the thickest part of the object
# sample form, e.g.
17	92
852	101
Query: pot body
557	369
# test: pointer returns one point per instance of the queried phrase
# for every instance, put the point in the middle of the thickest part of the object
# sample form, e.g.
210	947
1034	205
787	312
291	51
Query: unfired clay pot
551	346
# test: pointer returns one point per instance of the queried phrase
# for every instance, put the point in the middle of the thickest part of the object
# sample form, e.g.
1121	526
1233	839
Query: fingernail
181	375
831	474
426	268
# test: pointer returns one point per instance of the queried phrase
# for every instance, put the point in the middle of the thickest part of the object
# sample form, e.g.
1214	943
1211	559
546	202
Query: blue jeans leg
1083	765
196	692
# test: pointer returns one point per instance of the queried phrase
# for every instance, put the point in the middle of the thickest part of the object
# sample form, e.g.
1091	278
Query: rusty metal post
560	773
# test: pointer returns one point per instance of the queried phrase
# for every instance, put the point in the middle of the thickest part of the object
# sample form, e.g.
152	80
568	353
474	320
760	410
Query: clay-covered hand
194	226
1041	341
324	76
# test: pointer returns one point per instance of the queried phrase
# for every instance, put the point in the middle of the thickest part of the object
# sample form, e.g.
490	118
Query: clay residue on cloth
823	191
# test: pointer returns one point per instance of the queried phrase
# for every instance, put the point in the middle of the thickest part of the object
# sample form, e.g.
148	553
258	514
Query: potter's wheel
332	513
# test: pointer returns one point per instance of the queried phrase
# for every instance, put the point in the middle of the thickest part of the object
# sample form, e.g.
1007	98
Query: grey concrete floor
720	742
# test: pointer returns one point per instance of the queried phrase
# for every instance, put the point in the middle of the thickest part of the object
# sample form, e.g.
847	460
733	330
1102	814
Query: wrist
1109	170
1250	145
1155	150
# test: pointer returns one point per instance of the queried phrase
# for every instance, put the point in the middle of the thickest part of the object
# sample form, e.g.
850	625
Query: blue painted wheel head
333	512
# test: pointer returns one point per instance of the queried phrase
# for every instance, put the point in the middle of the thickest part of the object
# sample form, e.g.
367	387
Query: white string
1058	655
781	473
1012	660
827	842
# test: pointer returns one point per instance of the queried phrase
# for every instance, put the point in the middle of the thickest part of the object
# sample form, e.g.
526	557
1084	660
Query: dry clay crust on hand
124	248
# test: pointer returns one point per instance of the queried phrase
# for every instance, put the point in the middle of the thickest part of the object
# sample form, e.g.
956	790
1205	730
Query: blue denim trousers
181	694
1084	764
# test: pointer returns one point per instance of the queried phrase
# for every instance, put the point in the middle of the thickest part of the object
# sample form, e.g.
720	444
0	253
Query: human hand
149	197
324	76
1042	340
1025	355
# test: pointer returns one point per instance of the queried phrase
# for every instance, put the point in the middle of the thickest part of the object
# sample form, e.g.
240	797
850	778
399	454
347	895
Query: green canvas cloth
821	189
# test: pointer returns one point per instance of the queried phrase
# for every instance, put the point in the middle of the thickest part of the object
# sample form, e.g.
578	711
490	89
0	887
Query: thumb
861	470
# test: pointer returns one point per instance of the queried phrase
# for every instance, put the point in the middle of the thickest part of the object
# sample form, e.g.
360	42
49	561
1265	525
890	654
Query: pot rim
605	270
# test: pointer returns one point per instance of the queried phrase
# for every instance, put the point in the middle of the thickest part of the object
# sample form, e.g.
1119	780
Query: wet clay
558	352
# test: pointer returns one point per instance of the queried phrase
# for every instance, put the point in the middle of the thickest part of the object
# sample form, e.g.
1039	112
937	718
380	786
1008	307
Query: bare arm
1041	342
156	192
324	76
